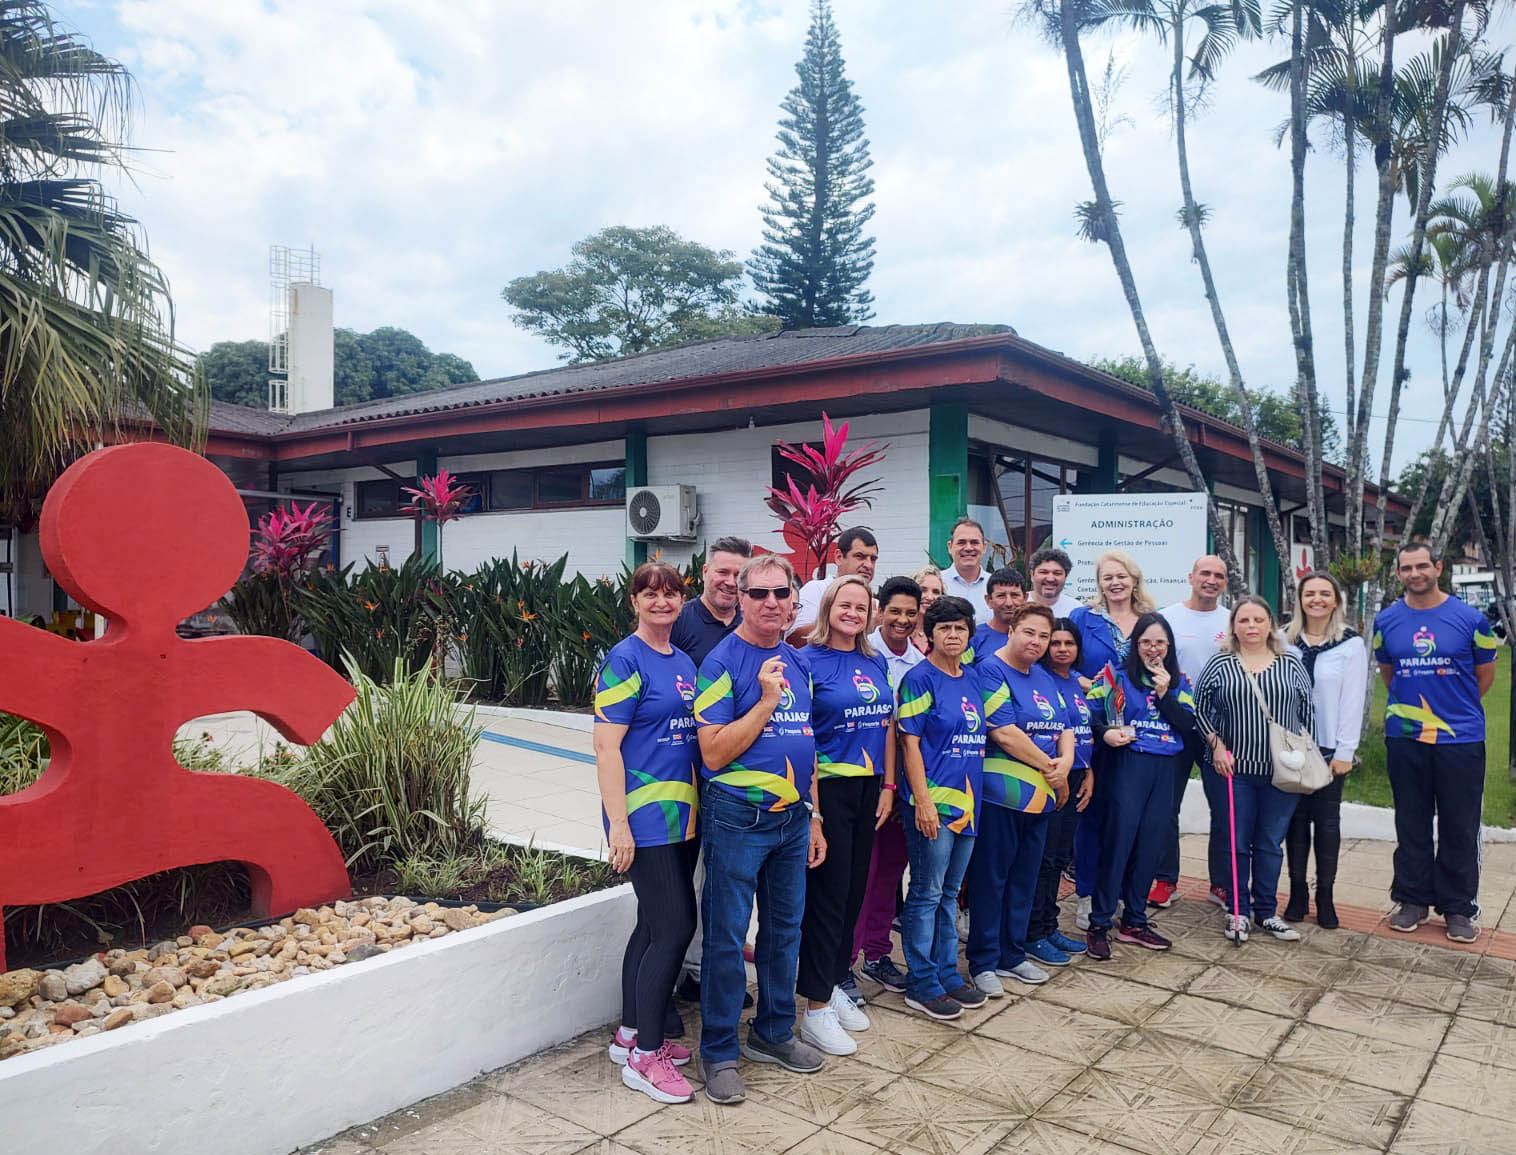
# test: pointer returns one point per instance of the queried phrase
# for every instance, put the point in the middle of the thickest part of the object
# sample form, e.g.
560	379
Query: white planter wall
275	1069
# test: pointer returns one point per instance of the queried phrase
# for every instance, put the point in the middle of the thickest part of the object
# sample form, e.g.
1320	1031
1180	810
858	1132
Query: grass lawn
1369	783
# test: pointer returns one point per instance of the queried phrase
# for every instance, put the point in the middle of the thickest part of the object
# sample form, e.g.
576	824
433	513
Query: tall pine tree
815	257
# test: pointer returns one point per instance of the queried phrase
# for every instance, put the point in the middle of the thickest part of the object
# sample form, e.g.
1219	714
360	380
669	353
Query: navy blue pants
1001	881
1139	789
1055	856
1445	782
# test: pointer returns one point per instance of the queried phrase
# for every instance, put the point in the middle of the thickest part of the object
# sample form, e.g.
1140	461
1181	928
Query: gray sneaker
792	1054
1407	917
723	1084
1462	928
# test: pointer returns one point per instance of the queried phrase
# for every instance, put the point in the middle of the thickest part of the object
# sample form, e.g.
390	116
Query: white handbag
1299	767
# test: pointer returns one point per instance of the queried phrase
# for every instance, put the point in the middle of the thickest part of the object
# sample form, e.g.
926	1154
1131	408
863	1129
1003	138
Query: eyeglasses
762	593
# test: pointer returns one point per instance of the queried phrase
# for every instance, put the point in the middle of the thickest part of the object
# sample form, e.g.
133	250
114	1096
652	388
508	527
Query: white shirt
1340	680
976	593
898	663
810	601
1065	605
1198	635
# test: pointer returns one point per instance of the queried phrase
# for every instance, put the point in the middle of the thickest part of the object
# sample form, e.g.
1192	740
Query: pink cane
1231	816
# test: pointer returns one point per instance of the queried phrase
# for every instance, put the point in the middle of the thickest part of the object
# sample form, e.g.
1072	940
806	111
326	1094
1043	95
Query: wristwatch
811	806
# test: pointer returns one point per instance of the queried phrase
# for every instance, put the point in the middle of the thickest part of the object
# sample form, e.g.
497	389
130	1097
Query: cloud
432	151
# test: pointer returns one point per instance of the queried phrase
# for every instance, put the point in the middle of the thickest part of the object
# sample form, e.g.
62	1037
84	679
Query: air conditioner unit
661	511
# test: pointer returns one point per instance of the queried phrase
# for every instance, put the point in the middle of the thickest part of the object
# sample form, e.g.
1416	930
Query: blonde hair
927	571
1142	601
821	632
1337	620
1276	646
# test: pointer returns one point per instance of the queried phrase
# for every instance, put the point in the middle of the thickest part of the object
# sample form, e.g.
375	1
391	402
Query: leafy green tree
815	257
628	290
1276	414
387	362
86	337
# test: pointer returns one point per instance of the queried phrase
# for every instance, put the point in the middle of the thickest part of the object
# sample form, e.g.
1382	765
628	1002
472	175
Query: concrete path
1349	1042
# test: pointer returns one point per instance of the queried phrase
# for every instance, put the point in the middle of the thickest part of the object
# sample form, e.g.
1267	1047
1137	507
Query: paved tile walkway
1348	1042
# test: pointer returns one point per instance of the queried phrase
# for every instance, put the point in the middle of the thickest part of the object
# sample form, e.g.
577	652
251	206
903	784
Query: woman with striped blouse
1233	723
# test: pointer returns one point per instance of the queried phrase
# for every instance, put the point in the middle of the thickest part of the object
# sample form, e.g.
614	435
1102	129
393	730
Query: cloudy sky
431	151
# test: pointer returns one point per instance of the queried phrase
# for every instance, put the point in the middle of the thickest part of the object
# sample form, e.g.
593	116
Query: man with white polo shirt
966	577
1200	625
1050	568
857	553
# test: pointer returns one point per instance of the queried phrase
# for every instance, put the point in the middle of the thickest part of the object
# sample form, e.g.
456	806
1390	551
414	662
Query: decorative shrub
378	616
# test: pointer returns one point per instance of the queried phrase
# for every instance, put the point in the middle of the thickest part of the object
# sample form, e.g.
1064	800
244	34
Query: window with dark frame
598	483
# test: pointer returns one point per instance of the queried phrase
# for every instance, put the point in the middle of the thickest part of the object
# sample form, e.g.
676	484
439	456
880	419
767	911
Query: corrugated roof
703	359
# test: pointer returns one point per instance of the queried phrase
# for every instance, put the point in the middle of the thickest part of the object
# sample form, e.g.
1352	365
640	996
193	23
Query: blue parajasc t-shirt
947	715
1078	708
653	696
986	641
1128	704
1434	695
851	704
1031	703
775	771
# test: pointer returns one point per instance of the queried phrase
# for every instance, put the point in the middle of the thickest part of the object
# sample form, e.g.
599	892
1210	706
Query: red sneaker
1220	897
1162	895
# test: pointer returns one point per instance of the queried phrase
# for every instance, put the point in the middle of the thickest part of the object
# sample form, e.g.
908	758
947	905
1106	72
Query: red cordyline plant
289	540
438	498
811	520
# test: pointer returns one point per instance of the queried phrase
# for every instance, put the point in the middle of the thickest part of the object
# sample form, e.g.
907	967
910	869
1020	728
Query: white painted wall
294	1063
731	473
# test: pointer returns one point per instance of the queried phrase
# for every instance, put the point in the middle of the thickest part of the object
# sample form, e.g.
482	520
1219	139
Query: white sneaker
1237	927
822	1030
988	985
962	923
1082	912
848	1015
1280	929
1025	971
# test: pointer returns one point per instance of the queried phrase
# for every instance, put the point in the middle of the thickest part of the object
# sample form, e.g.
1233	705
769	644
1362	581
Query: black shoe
673	1023
967	996
688	990
1295	909
1326	910
1097	945
936	1007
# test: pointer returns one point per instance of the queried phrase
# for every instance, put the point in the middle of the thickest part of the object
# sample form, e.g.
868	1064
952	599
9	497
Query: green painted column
1210	529
1268	558
947	475
1107	464
636	474
429	535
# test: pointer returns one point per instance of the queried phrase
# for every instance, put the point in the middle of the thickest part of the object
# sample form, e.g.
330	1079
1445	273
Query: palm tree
86	343
1061	22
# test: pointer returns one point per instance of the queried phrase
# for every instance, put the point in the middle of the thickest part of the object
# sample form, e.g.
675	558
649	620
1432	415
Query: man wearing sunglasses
760	829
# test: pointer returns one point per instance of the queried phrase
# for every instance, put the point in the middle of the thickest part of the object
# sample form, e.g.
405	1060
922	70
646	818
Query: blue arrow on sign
1065	543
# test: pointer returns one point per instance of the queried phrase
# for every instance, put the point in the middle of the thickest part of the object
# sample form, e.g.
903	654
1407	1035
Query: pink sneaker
674	1053
621	1046
657	1078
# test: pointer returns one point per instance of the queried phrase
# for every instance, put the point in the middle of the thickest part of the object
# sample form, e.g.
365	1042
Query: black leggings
662	877
1321	809
834	890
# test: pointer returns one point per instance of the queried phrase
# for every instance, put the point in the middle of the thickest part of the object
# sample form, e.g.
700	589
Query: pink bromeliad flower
811	519
440	498
289	539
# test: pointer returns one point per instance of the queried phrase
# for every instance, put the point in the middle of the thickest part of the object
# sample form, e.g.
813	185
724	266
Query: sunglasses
761	593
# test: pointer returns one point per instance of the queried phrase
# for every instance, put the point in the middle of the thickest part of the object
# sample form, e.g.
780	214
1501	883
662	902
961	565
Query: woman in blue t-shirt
645	760
1143	713
1046	943
852	714
940	717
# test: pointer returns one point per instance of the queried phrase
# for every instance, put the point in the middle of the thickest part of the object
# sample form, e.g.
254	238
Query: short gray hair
765	561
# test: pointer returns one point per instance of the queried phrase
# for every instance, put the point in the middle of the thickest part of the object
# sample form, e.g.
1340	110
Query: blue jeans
1139	789
1263	816
749	853
927	931
1218	850
1002	881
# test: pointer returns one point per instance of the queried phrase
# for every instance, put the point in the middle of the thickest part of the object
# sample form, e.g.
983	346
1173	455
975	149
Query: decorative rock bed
108	991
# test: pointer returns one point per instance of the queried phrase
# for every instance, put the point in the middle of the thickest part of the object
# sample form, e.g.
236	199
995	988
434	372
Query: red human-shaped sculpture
146	535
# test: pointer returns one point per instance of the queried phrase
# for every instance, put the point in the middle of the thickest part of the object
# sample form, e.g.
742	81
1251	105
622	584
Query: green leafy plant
378	616
391	777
